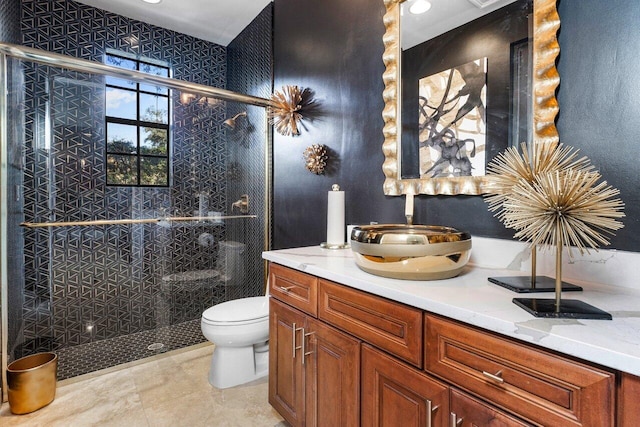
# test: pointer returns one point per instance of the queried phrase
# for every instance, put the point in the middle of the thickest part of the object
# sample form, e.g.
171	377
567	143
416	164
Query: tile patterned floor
85	358
167	390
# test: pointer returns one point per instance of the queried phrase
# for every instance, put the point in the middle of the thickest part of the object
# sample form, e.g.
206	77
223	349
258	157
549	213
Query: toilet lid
238	310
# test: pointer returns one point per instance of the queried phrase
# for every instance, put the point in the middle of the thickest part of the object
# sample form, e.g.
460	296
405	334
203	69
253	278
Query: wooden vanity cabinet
286	376
396	394
314	369
628	401
466	411
344	357
389	325
533	384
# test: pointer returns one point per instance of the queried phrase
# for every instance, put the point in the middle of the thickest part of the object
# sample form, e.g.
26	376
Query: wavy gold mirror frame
546	23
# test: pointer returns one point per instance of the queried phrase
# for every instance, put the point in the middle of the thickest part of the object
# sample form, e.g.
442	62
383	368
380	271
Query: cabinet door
395	394
332	376
286	381
469	412
629	401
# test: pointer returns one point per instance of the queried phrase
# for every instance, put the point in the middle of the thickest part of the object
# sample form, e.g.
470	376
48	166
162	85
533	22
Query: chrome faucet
242	205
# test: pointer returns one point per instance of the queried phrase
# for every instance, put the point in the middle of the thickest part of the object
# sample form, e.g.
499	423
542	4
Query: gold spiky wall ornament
509	167
564	207
315	158
286	112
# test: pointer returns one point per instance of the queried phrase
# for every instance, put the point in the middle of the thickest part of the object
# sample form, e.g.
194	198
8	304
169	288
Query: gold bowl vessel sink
411	252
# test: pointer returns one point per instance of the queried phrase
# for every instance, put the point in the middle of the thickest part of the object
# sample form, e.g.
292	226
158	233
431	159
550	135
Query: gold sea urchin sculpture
285	113
503	173
510	166
315	158
569	205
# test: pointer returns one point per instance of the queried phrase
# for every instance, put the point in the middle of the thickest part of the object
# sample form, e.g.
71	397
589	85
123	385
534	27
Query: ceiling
218	21
443	16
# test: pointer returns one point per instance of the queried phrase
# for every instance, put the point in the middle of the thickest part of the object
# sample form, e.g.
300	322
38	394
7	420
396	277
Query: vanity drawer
391	326
297	289
535	385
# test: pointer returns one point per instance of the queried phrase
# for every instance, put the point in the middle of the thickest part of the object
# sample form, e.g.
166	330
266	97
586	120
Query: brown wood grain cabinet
629	401
396	394
314	377
286	377
297	289
467	411
534	384
344	357
389	325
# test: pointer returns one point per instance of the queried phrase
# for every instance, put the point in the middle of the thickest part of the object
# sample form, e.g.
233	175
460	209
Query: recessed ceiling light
419	6
152	1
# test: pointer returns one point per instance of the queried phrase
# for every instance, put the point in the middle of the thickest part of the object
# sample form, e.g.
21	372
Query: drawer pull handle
286	288
495	377
454	421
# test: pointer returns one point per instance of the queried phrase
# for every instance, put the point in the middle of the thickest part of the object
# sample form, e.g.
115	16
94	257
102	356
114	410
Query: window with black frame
137	127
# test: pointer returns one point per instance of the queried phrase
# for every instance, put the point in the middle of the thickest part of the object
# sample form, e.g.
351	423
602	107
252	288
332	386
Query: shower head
231	123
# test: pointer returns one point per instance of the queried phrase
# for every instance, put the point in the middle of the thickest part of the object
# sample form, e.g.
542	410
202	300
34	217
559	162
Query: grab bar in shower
131	221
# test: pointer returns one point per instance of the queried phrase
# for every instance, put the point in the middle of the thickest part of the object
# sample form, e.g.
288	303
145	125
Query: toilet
239	329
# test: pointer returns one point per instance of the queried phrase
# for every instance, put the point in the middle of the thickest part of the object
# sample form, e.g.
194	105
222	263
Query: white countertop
472	299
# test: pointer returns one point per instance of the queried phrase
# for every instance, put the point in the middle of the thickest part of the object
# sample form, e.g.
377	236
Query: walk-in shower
115	240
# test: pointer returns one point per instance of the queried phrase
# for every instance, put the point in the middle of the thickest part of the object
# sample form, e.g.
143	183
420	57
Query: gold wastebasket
32	382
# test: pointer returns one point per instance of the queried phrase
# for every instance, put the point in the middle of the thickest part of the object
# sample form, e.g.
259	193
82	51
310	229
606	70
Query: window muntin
137	127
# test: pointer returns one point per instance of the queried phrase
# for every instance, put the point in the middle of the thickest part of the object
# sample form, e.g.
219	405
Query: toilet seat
238	312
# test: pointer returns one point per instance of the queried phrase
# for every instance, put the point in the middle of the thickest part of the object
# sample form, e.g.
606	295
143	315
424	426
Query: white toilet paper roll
335	216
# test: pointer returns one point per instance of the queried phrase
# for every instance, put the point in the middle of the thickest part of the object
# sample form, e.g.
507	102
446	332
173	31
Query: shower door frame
7	51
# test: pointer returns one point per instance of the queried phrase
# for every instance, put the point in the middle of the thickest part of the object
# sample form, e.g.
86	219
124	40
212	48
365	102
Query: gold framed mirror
544	108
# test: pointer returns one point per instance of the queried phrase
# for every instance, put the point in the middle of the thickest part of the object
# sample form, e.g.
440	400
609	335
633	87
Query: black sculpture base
522	284
569	309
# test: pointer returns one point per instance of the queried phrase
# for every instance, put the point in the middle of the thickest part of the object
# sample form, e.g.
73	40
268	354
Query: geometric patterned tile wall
249	65
84	284
10	21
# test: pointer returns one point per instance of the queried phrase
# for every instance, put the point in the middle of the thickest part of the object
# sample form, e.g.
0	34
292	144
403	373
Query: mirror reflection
466	84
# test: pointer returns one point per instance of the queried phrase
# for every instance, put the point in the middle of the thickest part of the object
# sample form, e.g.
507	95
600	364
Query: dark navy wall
600	96
335	48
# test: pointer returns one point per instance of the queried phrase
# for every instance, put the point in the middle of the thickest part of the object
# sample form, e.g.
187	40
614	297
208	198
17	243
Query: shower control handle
242	204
